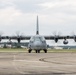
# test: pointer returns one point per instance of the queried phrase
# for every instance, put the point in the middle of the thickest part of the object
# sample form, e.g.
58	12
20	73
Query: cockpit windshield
36	38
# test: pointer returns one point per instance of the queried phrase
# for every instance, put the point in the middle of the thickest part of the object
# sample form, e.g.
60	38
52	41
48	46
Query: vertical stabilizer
37	31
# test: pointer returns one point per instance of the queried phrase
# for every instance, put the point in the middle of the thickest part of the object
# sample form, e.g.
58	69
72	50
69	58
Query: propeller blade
19	36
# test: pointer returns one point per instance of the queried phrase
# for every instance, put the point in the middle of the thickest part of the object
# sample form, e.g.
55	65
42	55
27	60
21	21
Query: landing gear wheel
38	51
29	51
45	50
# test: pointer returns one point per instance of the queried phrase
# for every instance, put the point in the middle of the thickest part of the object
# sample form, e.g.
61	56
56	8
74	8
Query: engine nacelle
56	40
0	39
65	42
75	39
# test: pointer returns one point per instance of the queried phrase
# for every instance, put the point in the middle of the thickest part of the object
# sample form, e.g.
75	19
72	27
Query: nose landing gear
37	51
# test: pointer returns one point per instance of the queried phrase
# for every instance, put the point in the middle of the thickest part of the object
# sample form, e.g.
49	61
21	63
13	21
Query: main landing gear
29	51
45	50
37	51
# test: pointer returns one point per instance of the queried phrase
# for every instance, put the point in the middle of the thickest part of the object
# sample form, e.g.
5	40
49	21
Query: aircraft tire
38	51
29	51
45	50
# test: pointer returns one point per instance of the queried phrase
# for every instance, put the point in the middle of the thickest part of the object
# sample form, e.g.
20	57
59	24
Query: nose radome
37	43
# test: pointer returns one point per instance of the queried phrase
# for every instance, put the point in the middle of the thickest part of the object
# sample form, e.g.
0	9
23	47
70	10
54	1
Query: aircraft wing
59	37
56	38
18	37
28	37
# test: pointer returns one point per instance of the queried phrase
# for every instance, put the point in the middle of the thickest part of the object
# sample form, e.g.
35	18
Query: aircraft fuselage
37	42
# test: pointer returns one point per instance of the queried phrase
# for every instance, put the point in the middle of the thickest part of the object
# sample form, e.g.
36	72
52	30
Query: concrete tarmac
37	63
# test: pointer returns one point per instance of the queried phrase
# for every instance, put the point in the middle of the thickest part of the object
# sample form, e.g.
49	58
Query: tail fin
37	31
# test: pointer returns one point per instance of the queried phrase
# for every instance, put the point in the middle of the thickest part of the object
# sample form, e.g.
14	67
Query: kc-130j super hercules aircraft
38	42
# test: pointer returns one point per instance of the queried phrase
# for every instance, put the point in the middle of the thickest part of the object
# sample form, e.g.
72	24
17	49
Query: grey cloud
5	3
29	6
58	18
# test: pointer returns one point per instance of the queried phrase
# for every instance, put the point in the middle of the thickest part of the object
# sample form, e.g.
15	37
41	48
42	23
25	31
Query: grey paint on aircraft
37	42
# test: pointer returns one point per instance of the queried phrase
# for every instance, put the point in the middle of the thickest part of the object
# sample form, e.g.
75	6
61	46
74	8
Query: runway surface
37	64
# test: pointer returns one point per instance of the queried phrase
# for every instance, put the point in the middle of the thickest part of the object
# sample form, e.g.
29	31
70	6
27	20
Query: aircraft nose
37	44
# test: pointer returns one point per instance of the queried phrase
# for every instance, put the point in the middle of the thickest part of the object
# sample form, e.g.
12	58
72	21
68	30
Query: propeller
74	36
56	36
19	36
1	33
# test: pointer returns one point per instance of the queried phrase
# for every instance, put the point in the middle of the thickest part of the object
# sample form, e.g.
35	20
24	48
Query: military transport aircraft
38	42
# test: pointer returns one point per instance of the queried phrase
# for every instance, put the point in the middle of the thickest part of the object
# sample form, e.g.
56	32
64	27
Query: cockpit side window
32	38
42	38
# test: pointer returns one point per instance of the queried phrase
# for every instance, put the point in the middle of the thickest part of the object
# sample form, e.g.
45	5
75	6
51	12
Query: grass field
26	50
13	50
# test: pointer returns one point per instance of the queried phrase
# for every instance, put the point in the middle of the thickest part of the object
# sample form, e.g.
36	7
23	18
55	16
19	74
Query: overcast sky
54	15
